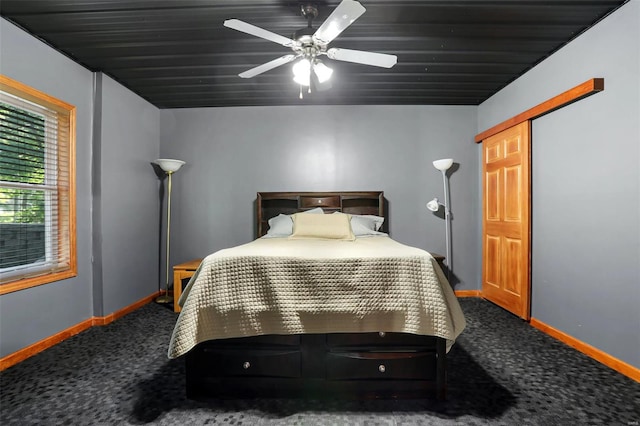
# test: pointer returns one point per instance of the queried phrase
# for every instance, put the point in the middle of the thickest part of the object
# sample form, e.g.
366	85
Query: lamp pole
443	165
447	219
169	166
165	297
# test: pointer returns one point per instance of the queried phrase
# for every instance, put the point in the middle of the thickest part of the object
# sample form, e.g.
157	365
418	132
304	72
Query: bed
317	306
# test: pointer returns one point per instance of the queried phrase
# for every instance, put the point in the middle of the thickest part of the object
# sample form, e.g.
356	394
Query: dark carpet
508	375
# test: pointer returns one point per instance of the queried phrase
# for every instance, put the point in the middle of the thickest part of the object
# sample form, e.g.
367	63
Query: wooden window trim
28	93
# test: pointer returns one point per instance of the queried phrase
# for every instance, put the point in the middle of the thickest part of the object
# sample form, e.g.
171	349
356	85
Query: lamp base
165	298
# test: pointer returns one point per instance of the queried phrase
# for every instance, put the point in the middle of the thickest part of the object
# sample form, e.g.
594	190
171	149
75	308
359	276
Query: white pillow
325	227
366	224
282	225
317	210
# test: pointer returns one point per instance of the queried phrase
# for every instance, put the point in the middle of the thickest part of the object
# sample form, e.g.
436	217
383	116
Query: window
37	188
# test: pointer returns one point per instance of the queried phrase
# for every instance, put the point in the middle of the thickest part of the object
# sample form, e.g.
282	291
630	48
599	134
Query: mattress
285	286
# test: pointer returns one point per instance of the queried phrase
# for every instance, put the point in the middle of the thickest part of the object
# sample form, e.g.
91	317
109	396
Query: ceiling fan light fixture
322	71
301	71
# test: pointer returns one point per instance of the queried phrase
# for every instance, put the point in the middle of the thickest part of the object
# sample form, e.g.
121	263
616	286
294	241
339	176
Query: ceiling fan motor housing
304	35
309	11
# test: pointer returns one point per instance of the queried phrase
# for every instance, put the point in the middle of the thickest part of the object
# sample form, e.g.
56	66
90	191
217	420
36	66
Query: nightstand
181	272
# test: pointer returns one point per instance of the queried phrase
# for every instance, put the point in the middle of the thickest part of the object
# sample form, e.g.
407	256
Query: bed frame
342	365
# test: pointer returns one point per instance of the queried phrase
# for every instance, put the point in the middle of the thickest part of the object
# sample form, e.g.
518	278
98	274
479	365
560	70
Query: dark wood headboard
271	204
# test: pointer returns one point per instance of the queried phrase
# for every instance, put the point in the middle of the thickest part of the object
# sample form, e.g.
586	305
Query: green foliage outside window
22	160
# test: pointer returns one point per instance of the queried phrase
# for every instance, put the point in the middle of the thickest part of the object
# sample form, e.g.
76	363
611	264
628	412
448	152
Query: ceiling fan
308	45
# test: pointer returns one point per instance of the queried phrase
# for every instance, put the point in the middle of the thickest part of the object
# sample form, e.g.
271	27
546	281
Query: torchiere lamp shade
443	164
169	165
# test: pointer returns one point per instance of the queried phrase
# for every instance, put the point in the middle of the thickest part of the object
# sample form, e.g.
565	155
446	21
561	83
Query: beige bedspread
283	286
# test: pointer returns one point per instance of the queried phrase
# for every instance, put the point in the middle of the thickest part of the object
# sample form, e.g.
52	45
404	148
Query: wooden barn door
506	219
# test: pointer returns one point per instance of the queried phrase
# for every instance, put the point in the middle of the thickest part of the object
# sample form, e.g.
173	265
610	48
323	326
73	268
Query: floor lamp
170	167
434	205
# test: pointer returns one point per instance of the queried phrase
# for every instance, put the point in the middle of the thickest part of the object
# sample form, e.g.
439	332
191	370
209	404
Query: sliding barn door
506	219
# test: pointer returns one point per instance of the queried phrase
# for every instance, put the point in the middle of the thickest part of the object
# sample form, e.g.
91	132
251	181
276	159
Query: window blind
36	206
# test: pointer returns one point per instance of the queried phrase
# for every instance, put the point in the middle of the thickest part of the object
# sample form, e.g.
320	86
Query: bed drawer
380	339
255	363
380	365
330	201
256	341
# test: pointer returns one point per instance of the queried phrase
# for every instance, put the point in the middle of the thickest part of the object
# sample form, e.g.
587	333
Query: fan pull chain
301	92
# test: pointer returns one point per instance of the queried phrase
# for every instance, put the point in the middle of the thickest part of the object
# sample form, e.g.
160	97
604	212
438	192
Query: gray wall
61	304
129	197
586	186
127	233
232	153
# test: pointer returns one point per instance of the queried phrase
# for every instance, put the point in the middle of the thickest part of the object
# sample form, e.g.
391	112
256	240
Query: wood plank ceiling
177	54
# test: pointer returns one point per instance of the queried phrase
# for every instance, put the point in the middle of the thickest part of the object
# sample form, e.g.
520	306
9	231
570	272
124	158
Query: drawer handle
246	365
382	368
382	333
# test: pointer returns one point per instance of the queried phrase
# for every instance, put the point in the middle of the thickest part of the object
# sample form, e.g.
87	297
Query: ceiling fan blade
343	16
244	27
267	66
362	57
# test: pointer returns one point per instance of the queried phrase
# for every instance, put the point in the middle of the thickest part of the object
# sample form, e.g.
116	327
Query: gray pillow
366	224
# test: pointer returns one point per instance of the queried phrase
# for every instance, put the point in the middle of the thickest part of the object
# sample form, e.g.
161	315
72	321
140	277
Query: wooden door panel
506	219
493	152
513	146
513	203
492	261
493	197
513	274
